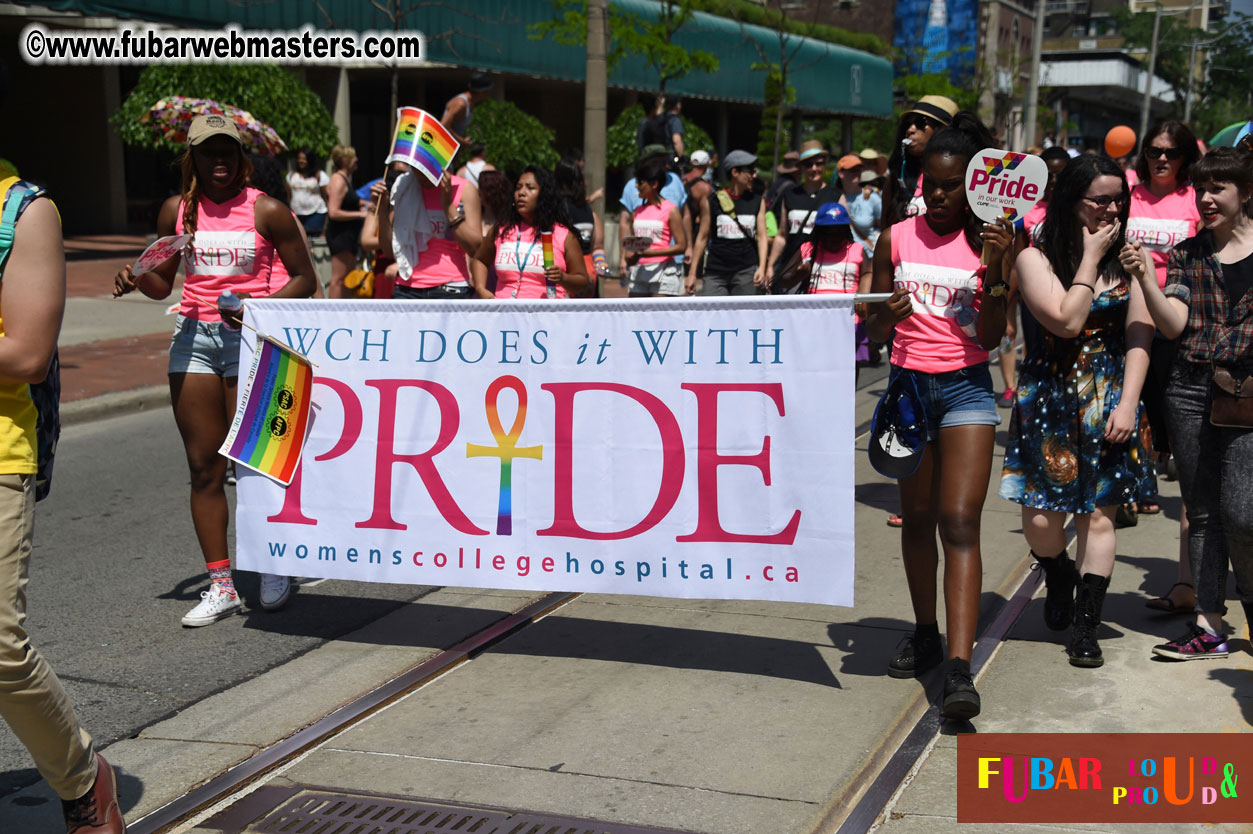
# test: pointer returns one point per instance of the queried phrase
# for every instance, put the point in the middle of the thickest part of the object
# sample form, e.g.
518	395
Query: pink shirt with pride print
653	221
941	275
520	262
1159	224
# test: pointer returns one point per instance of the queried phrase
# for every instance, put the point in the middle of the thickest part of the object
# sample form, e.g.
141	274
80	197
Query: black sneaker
918	653
961	700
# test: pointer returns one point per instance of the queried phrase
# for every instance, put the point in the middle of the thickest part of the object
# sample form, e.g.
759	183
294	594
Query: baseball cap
788	165
898	432
849	160
940	108
211	124
739	159
812	148
649	151
831	214
700	158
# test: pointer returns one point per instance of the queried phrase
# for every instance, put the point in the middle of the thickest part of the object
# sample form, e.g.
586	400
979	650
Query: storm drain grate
321	813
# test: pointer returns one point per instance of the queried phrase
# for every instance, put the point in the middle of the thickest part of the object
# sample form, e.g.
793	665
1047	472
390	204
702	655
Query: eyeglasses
743	170
1103	202
1154	152
814	162
923	122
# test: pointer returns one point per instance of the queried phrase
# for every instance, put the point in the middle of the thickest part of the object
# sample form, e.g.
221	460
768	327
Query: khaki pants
32	700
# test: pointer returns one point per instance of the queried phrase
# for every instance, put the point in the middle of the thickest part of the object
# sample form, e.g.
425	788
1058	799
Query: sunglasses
1154	152
743	170
1103	202
814	162
923	122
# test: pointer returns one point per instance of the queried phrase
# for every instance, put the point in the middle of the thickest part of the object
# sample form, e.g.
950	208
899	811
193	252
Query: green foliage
757	14
270	93
569	28
620	150
777	98
654	40
514	138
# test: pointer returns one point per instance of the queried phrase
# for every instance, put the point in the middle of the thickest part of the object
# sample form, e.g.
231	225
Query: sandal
1165	605
1149	508
1126	516
895	520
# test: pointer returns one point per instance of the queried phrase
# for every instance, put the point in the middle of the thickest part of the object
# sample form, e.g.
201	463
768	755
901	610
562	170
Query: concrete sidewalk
702	716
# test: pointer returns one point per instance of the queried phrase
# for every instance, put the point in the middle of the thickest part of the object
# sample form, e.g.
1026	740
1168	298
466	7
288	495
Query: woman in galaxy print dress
1074	444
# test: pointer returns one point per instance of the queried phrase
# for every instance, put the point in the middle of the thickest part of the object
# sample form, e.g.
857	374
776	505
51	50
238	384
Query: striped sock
220	575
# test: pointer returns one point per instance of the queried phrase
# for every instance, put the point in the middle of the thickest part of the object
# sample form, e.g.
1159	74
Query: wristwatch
456	221
997	290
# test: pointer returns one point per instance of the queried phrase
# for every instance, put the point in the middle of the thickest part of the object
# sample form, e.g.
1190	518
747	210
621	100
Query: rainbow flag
423	142
272	418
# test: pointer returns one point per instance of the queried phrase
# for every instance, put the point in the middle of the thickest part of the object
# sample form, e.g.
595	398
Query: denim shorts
955	398
204	347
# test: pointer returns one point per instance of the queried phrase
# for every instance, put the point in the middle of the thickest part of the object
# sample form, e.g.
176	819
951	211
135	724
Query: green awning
492	35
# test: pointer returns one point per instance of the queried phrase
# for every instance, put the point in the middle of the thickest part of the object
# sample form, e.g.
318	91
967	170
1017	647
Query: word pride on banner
423	142
1103	778
699	449
268	432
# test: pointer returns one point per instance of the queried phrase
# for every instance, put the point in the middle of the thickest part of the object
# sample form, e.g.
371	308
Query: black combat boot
1089	599
1060	578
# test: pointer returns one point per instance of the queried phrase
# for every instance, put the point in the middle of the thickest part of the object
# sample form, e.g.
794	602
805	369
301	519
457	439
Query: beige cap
202	127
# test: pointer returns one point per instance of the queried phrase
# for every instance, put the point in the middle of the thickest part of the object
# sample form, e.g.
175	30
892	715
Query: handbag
360	281
1231	401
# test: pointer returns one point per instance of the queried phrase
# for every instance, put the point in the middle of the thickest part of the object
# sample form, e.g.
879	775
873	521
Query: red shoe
96	812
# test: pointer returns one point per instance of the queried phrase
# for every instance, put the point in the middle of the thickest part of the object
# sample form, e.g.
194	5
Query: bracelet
1081	284
452	224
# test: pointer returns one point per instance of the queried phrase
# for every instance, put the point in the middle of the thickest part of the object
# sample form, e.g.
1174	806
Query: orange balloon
1120	141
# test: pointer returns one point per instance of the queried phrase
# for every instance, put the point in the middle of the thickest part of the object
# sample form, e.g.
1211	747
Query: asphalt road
116	565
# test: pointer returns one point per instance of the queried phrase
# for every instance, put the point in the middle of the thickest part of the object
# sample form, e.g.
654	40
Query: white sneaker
275	591
214	604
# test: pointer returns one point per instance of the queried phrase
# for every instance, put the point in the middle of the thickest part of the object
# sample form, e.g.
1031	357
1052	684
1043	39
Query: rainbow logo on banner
506	447
423	142
272	419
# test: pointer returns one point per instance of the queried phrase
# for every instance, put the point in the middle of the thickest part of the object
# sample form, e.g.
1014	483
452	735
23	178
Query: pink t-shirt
942	277
653	221
443	261
1161	223
228	253
1032	220
520	262
835	272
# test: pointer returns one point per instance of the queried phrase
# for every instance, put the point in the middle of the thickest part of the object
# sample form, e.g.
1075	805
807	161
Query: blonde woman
345	216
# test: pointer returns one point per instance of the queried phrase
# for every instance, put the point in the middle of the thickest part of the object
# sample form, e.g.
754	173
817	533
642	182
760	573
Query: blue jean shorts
955	398
204	347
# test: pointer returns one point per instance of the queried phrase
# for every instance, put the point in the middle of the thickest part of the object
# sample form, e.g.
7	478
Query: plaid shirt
1215	330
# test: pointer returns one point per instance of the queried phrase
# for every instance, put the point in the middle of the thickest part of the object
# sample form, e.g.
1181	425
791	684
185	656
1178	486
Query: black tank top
584	223
729	249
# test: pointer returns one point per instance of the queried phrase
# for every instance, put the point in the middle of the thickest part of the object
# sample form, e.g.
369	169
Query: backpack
656	132
15	196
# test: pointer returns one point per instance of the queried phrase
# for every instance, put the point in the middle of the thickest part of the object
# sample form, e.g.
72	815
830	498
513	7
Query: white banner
694	448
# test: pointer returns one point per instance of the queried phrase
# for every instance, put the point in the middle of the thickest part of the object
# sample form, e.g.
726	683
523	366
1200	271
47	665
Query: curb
114	404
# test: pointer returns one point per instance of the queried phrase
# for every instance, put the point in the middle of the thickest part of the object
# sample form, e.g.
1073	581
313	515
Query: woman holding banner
1074	444
534	251
945	313
223	216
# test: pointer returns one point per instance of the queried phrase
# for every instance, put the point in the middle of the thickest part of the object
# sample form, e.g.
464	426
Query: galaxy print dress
1057	457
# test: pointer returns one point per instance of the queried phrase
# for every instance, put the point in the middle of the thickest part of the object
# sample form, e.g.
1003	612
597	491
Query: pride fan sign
1004	184
421	141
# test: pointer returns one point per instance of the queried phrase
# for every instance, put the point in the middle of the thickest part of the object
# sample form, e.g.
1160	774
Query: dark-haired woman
308	184
431	232
1163	215
223	215
655	271
1074	444
1208	307
583	219
902	194
838	266
945	313
515	247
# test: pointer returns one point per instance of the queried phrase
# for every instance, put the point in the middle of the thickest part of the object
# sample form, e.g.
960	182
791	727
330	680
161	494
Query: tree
633	34
514	138
789	41
270	93
621	151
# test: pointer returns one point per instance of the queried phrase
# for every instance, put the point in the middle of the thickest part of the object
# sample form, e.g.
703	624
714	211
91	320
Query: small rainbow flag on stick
423	142
272	418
